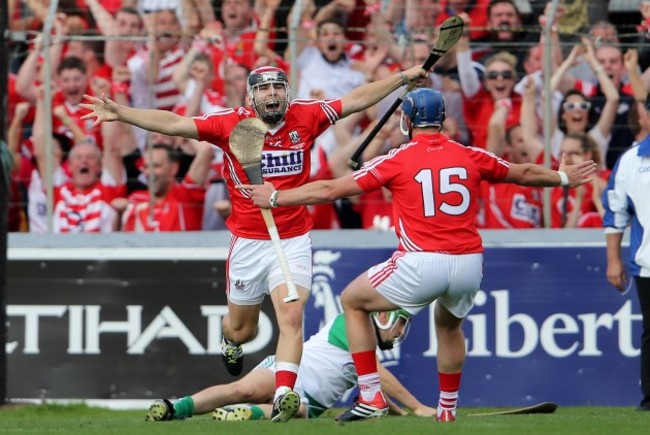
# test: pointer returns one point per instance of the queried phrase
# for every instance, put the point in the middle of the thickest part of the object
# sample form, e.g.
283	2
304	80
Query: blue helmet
424	107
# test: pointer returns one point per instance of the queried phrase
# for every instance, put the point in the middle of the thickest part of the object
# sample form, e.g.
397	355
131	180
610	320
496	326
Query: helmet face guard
423	108
272	110
395	319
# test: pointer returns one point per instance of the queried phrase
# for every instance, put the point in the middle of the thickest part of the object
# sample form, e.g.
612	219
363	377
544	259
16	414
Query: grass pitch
80	419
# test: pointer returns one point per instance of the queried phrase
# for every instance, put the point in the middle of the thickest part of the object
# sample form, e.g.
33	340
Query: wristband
564	178
273	200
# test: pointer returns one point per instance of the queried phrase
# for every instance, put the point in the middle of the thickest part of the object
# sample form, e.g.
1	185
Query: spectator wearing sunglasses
577	113
581	207
610	64
480	100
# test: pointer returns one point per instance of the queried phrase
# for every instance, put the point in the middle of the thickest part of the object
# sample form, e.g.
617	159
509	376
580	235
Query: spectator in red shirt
83	191
232	40
499	80
476	12
175	206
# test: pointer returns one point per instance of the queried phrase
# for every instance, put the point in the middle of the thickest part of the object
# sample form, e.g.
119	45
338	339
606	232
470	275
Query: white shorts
325	374
412	280
253	268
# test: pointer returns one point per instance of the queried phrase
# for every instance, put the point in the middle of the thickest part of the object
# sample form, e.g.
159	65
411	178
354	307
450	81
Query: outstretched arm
316	192
529	174
161	121
371	93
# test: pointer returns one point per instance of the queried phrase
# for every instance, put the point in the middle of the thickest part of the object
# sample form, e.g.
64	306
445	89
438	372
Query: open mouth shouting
272	106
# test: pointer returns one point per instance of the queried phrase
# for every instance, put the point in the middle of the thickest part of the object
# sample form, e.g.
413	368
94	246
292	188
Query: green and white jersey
326	370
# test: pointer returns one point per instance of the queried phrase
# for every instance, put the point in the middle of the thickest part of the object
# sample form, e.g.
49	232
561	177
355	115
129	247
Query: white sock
448	402
369	385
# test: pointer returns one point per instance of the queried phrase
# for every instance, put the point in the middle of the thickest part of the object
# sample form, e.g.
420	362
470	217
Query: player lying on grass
325	375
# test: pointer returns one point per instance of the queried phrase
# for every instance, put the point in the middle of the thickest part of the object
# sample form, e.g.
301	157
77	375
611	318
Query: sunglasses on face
506	75
582	105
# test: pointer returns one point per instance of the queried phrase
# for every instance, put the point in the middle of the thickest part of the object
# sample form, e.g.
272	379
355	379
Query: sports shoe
445	416
363	410
160	410
233	357
285	406
233	413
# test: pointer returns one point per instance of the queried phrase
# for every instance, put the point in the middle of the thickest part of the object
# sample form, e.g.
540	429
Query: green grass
80	419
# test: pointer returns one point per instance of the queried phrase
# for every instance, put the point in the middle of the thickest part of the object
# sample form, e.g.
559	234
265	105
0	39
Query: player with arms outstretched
434	182
252	267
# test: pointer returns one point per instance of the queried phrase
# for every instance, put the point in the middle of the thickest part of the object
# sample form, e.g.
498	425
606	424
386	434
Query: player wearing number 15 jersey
434	182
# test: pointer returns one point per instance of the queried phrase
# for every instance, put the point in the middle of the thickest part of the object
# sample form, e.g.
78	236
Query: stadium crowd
193	57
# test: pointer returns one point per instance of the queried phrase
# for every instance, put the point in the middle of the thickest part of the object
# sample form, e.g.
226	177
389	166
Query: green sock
257	413
184	407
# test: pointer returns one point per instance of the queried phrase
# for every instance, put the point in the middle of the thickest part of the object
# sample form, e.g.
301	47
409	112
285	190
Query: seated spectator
581	207
174	206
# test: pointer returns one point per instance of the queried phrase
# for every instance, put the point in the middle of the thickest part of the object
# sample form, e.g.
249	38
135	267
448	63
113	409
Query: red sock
285	374
449	382
365	362
449	385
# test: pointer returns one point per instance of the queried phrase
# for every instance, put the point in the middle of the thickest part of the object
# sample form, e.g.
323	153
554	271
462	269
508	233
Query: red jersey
286	162
375	210
435	185
507	205
478	110
237	50
180	210
85	211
